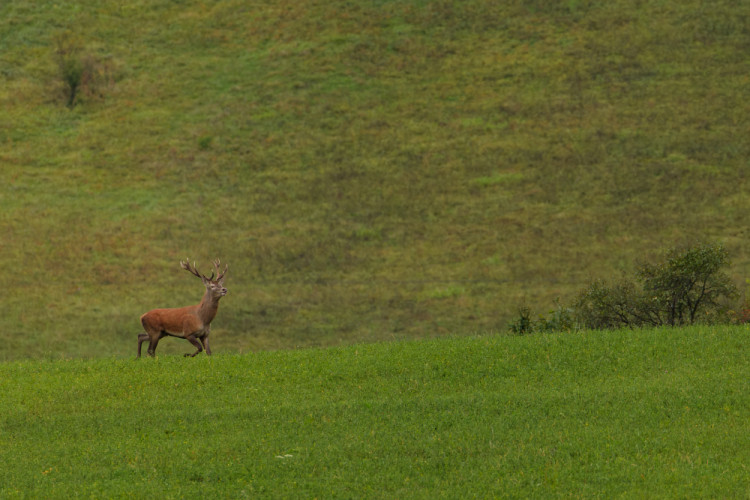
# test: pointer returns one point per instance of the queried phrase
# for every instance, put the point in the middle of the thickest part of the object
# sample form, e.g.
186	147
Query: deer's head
214	286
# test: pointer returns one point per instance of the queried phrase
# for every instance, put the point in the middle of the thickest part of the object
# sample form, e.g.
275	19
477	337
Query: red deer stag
191	322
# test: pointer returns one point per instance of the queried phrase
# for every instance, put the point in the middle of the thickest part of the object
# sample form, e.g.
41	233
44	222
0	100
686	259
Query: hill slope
369	170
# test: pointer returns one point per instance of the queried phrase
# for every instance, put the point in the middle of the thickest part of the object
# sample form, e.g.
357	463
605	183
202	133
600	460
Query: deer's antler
220	275
192	269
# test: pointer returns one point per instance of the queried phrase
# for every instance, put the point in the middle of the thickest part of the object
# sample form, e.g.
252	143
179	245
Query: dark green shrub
603	306
560	319
68	51
523	324
688	287
81	72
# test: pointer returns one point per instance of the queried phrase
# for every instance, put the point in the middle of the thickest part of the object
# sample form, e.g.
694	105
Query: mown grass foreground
662	413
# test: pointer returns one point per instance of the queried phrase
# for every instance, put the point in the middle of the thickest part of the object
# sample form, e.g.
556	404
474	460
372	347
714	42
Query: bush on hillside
689	287
603	306
81	72
523	323
560	319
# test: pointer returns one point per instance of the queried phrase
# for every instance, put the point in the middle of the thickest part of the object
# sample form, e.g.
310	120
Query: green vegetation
369	170
688	287
634	413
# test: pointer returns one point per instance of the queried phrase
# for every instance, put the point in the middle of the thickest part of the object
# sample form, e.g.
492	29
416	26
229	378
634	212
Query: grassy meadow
617	414
388	181
369	170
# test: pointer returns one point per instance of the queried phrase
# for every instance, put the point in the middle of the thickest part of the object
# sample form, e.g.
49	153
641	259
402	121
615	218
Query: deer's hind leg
154	341
141	339
153	333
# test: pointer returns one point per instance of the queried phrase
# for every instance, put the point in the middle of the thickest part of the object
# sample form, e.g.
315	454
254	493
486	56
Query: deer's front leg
195	342
204	341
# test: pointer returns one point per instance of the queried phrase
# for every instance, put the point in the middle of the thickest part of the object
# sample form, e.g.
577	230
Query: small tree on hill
81	72
688	287
689	283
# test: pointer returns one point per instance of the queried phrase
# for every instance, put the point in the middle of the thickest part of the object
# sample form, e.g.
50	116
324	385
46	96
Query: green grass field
369	170
388	181
618	414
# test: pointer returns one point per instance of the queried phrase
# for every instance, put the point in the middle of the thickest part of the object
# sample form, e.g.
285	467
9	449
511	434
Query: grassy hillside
655	413
369	170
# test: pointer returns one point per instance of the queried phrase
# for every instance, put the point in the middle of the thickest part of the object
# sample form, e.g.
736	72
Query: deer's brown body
191	322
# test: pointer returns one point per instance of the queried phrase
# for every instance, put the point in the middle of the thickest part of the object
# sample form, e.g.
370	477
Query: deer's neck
208	307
